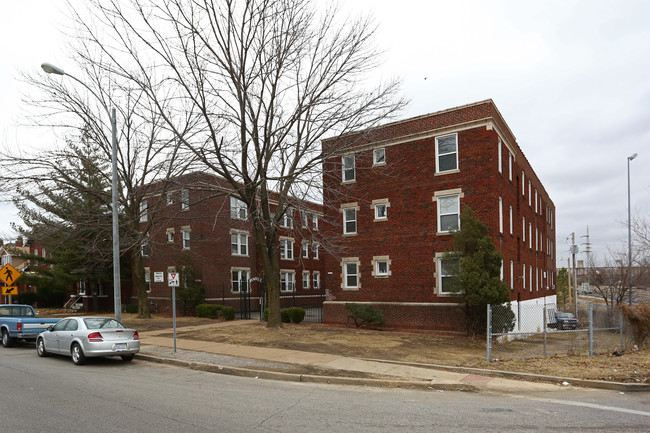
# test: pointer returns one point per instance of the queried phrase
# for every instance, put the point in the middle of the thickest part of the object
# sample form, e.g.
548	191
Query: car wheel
7	341
78	356
40	348
128	358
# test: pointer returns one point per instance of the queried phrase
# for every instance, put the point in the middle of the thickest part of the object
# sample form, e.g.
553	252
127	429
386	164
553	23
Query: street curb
599	384
307	378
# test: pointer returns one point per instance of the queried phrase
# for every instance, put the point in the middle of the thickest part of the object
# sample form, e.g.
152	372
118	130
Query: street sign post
10	290
173	280
9	275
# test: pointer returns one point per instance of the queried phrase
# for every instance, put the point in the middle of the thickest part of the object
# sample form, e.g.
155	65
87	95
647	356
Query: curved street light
117	290
629	231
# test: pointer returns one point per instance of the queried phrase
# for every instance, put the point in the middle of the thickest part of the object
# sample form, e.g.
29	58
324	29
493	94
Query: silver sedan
89	336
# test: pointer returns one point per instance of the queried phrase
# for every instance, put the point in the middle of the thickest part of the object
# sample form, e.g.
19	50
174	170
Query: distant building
394	197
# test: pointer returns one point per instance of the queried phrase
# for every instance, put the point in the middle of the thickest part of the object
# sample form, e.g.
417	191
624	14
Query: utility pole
574	251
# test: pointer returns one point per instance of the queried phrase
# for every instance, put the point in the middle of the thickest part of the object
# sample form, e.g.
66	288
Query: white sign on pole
173	279
158	277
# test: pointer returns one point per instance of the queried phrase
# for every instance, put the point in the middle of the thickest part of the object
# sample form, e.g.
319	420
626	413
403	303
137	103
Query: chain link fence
536	330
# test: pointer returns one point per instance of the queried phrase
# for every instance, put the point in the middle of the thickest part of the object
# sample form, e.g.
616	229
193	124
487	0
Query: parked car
90	336
564	321
19	322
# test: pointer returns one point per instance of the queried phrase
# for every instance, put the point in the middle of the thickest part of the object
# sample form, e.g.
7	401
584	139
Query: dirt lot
426	348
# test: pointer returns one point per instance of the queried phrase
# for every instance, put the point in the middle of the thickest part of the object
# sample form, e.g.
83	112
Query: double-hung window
379	156
186	237
314	222
185	199
143	211
170	236
316	280
240	280
448	213
305	279
286	249
287	281
349	220
348	168
238	209
287	219
305	250
238	243
446	153
314	251
447	270
351	274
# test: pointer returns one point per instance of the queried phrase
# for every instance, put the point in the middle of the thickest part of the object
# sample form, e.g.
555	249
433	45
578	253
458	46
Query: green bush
287	315
296	314
27	298
132	308
228	313
362	314
208	310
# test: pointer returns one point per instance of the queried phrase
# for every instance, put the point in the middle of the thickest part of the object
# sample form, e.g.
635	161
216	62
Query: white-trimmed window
350	218
305	250
351	277
510	158
379	156
530	195
499	157
170	235
523	275
305	279
381	266
530	276
170	198
314	222
314	251
536	201
316	280
530	235
287	281
523	183
287	219
239	280
238	243
286	249
380	207
304	219
523	229
348	168
185	199
500	215
143	211
238	209
185	231
446	153
447	268
144	248
448	213
147	279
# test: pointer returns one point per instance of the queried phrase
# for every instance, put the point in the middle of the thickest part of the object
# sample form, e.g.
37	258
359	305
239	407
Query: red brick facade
415	186
196	226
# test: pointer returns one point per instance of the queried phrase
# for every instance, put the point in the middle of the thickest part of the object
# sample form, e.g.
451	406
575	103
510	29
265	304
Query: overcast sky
571	78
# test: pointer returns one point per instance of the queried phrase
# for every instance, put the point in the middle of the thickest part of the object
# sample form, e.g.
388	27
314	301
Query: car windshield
564	316
102	323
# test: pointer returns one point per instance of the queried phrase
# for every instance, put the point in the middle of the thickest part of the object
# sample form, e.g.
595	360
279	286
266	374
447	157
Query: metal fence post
544	322
591	329
489	331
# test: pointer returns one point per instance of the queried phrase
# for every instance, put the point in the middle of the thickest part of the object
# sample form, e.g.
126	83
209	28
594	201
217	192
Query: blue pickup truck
19	322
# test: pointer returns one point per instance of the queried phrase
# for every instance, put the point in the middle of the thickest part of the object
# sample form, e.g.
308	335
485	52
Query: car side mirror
50	328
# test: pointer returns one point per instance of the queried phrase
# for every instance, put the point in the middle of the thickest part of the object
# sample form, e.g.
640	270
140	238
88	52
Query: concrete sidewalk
281	364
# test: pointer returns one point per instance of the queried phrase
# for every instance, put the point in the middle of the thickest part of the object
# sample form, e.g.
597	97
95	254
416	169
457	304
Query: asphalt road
108	395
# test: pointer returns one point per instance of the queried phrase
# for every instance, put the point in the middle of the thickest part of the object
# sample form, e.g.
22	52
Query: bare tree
147	152
259	83
613	280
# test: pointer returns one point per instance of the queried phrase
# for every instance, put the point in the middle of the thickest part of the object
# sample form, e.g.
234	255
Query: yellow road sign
10	290
9	274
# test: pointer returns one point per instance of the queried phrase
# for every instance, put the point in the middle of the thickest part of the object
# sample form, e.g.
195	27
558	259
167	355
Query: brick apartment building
202	226
395	195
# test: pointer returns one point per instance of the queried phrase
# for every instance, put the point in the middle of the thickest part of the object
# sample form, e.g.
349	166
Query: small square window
379	156
381	268
381	211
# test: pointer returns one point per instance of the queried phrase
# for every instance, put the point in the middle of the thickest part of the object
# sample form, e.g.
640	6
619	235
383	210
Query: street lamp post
629	231
117	290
